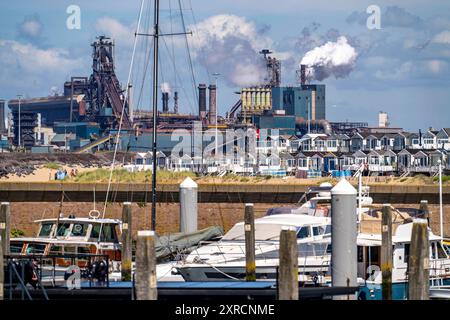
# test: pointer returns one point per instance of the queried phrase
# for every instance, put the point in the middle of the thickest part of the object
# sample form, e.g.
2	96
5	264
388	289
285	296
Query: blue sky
403	68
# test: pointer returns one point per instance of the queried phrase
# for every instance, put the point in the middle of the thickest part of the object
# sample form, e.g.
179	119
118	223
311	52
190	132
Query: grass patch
52	166
122	175
444	179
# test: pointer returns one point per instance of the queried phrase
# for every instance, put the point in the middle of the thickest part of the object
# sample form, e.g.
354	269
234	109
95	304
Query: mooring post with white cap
288	268
343	236
145	280
188	205
386	252
126	257
419	263
249	227
5	225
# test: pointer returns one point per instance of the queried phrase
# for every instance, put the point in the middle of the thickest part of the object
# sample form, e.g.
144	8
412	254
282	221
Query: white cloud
436	66
123	35
31	28
34	60
399	73
222	27
442	37
230	45
30	70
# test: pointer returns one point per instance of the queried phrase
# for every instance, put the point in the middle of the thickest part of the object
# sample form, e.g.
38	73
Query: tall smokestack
212	105
2	116
202	100
165	101
303	74
175	102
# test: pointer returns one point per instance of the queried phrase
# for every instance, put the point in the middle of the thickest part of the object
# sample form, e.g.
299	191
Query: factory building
24	128
304	101
52	109
283	123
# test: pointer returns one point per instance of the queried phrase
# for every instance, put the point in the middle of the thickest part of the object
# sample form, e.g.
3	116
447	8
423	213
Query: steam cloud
331	59
165	88
230	45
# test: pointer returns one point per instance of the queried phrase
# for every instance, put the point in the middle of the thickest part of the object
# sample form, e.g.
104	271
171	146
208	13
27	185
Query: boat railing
53	270
439	269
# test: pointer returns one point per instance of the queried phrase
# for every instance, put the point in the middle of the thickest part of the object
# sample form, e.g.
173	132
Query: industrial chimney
302	74
212	105
175	102
202	100
2	116
165	102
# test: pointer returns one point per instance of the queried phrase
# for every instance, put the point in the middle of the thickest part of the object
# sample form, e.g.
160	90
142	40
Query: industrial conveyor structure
95	143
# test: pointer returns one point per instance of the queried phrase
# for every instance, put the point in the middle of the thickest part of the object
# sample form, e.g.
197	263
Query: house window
428	141
373	143
415	141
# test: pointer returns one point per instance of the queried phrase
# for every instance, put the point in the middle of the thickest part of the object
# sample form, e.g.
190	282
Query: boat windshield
79	230
16	247
108	232
35	248
46	230
63	229
446	248
312	249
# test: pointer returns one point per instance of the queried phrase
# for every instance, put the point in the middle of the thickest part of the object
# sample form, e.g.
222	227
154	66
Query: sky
402	67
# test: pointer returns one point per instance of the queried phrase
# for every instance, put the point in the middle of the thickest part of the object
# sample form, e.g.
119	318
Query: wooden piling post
424	209
386	252
5	225
2	268
419	264
288	269
249	227
126	242
145	280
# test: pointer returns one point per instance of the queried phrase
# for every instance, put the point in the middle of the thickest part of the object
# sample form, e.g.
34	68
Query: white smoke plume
230	45
165	87
331	59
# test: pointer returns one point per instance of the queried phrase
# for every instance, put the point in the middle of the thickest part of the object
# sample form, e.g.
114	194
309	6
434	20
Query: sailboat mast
155	109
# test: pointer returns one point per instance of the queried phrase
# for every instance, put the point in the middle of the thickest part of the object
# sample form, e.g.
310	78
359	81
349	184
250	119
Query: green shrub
15	233
52	165
444	178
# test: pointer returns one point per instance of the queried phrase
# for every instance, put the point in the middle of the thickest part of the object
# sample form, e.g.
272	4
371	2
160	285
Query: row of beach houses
319	154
